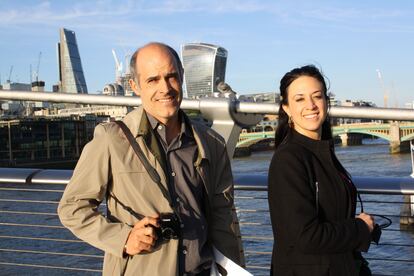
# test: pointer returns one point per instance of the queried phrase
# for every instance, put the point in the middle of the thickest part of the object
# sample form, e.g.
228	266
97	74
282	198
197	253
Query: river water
370	159
47	253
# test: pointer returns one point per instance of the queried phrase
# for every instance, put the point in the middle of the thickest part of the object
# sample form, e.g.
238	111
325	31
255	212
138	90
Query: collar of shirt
160	128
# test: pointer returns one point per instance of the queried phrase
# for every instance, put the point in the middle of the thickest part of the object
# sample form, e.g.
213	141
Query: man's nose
164	85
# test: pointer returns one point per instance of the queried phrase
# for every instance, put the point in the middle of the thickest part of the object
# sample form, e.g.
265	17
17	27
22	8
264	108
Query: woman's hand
368	219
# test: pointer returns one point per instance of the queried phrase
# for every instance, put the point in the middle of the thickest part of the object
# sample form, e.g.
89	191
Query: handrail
376	113
255	182
30	226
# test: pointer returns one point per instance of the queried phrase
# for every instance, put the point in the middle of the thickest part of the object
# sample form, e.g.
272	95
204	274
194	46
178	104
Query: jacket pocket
114	266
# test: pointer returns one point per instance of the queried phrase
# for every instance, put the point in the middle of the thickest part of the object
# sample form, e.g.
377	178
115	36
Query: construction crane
36	73
10	74
118	67
385	91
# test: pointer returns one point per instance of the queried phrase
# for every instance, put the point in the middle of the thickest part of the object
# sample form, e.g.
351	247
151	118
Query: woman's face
306	106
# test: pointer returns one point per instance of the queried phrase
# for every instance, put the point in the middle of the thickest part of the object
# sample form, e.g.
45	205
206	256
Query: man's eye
173	78
299	99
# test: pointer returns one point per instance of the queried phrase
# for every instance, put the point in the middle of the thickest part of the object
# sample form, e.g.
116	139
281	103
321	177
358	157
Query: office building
204	68
14	107
71	77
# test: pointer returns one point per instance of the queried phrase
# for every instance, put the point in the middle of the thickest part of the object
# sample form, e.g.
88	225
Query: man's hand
142	237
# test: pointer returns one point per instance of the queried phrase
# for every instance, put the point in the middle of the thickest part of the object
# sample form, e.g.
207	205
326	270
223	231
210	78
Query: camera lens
168	233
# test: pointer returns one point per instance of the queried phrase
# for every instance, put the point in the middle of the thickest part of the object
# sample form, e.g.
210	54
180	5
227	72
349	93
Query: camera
376	234
169	226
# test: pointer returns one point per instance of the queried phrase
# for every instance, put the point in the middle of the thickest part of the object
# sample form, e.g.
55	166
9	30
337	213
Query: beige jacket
109	166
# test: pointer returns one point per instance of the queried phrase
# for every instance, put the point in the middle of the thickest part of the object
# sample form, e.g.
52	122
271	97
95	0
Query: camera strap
151	171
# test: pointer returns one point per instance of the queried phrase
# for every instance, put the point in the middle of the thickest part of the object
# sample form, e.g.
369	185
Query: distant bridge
404	131
397	133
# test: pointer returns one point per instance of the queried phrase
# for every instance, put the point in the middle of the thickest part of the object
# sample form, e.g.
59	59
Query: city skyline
349	40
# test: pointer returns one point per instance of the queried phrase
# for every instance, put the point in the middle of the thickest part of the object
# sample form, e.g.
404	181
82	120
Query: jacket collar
139	125
137	122
314	145
199	135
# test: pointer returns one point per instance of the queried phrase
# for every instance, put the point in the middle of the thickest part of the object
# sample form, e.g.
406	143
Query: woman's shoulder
289	154
292	149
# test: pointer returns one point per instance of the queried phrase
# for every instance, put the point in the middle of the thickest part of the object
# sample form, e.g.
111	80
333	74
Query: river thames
53	250
370	159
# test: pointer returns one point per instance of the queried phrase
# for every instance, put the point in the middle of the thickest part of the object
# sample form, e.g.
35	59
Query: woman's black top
312	208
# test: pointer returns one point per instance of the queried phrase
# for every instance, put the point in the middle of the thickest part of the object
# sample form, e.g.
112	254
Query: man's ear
134	87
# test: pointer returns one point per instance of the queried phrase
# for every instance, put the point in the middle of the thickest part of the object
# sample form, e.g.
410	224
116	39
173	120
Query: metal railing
376	113
32	238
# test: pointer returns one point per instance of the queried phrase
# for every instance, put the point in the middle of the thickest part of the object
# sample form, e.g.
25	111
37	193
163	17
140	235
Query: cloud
44	13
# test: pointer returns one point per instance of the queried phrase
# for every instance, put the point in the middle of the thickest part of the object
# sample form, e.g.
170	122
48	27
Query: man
192	164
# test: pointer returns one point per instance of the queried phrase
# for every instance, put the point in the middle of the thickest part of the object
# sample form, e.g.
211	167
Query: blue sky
349	40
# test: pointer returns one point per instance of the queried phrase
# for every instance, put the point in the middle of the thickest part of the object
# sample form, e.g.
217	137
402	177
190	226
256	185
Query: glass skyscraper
204	67
71	75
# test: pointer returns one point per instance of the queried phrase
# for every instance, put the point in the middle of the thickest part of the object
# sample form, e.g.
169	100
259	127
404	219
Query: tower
71	78
204	67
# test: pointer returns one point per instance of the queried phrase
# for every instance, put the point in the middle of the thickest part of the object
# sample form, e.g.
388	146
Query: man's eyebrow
172	74
151	78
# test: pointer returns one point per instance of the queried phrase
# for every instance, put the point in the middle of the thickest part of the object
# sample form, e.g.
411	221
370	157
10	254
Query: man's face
160	84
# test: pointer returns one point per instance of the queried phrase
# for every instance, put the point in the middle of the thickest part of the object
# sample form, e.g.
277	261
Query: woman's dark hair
283	129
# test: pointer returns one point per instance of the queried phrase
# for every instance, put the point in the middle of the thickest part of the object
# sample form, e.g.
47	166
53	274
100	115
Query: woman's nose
310	104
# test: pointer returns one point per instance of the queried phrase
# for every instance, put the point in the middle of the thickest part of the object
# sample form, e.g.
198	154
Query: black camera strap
151	171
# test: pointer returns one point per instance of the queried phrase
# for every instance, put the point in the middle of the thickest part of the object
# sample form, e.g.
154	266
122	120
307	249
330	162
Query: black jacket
312	209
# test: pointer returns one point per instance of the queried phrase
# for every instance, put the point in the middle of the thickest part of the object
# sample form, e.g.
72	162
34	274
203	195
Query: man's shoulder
106	129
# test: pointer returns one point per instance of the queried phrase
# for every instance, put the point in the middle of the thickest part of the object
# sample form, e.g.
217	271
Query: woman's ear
286	109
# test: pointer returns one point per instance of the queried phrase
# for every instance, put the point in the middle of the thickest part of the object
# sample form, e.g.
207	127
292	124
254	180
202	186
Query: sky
349	40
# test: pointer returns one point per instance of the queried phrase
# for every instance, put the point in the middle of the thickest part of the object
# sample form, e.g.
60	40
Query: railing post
407	210
226	121
10	144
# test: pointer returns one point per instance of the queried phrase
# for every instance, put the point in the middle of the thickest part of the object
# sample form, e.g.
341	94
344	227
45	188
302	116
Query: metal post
412	175
407	210
226	121
63	139
412	157
47	141
77	138
10	145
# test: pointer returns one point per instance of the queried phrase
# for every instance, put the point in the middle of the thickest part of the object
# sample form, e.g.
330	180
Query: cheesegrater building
204	67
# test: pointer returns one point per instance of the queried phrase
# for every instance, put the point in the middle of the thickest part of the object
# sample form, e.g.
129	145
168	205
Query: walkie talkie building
204	67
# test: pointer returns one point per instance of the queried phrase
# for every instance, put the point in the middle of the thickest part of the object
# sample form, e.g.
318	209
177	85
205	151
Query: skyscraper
71	78
204	67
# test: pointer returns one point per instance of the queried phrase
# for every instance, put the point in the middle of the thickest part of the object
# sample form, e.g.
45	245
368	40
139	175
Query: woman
312	199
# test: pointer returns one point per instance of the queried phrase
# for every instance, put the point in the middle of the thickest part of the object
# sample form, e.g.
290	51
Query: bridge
397	133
